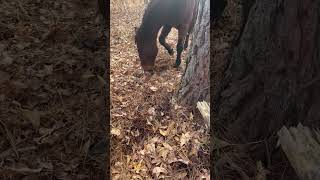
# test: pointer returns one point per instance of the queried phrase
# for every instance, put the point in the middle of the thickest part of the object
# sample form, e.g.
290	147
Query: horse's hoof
148	73
178	62
177	67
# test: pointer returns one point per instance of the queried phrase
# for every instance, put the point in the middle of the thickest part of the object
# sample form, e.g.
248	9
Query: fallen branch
302	148
204	109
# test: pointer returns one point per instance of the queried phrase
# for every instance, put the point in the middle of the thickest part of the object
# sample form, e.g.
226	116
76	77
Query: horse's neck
149	30
149	27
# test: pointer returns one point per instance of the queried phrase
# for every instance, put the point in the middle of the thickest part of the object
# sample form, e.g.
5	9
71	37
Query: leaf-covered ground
50	94
152	135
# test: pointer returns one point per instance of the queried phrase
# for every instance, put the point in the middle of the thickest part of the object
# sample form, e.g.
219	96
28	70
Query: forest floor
51	102
152	135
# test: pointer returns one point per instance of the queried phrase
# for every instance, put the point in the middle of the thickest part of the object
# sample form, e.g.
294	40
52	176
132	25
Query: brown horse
180	14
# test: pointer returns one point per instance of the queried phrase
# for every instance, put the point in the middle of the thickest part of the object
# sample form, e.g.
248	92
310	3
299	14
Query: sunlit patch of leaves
153	137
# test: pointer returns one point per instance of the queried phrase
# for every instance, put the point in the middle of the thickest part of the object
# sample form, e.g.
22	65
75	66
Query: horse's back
172	12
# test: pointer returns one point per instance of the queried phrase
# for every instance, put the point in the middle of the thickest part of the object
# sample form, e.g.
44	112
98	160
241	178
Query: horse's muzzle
147	68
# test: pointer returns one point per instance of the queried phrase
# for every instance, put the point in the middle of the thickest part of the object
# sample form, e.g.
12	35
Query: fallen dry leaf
152	111
163	152
150	148
137	166
154	89
185	138
158	170
205	175
180	175
116	131
164	133
135	176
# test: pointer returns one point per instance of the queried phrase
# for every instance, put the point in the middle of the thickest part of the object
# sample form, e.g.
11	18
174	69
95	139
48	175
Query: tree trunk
217	8
273	78
195	82
102	9
246	7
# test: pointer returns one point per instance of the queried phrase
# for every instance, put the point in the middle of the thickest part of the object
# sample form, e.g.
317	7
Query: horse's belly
177	20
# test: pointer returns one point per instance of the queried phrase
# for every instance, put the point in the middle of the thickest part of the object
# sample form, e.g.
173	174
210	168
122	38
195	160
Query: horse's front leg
162	39
182	33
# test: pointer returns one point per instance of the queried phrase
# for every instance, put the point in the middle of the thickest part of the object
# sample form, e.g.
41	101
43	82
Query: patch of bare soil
152	135
52	58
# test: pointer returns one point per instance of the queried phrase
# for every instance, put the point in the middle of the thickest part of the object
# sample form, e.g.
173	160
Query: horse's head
147	49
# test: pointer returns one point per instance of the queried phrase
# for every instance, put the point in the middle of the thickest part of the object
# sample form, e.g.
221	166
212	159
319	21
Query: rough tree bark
102	9
273	76
217	8
196	81
246	7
